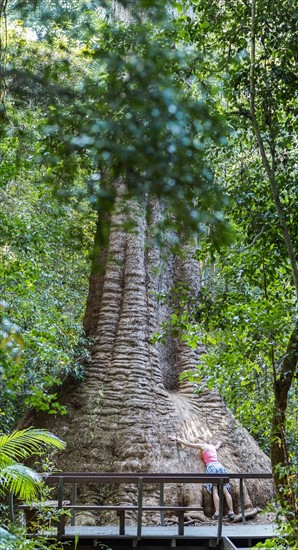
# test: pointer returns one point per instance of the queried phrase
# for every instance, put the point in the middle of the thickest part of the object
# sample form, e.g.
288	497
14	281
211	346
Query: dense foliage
44	271
194	102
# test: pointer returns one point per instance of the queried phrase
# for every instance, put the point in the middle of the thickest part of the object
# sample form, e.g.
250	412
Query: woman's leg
228	499
215	498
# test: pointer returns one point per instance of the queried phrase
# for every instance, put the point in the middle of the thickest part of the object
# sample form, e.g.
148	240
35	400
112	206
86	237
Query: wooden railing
140	479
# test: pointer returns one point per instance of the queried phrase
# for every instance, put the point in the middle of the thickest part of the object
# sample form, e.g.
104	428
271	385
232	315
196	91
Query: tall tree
132	397
148	142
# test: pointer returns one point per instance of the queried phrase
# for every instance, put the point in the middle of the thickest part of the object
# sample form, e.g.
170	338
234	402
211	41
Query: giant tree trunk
120	415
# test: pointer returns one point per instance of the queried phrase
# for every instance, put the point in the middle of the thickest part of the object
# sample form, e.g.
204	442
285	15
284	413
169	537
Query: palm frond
5	461
6	535
21	481
23	443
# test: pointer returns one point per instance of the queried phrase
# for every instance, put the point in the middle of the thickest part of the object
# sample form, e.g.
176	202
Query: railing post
60	529
162	503
121	514
140	508
219	526
181	523
11	508
73	501
242	501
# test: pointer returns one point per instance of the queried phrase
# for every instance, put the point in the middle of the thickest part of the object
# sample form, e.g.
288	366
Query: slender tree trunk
283	378
3	41
279	451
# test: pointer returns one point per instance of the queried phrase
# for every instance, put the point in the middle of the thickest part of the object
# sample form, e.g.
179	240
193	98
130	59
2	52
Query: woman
213	466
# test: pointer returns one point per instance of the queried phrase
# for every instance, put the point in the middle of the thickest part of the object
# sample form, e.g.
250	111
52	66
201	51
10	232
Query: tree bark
279	451
120	416
3	44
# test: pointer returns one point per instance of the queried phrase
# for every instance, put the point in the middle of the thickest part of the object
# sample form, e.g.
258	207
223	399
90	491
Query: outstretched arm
186	443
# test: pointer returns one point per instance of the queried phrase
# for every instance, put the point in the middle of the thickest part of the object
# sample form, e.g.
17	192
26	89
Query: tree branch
266	164
289	364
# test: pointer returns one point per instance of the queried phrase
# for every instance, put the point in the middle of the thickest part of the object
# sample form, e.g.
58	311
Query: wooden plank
43	504
148	475
181	523
237	531
242	502
116	507
11	509
140	506
161	502
61	525
219	526
74	490
133	477
121	522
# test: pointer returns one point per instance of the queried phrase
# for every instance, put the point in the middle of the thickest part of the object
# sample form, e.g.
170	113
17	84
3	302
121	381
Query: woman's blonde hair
201	440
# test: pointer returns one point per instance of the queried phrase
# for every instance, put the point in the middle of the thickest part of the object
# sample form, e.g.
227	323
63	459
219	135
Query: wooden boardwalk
127	535
161	537
161	531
